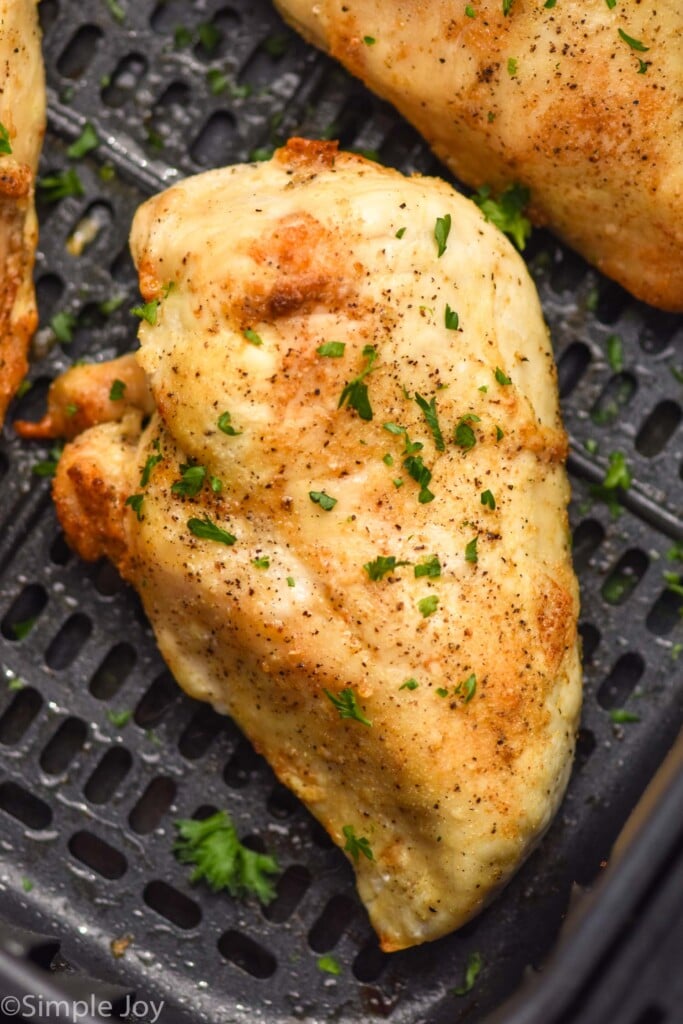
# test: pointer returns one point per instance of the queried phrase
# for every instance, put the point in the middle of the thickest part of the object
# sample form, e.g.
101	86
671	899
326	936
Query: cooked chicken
579	102
347	518
22	125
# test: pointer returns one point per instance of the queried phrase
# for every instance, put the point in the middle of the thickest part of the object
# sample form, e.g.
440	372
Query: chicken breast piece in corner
579	102
347	516
22	126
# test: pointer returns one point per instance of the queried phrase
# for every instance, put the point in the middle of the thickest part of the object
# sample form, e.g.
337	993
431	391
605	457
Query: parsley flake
252	336
152	461
467	688
369	40
48	467
431	416
451	319
549	4
326	502
470	11
381	566
421	475
512	66
471	551
291	582
148	311
85	142
472	970
611	4
643	65
329	964
61	186
135	501
463	435
502	377
400	233
355	845
347	705
332	349
263	562
635	44
442	230
441	691
428	605
507	7
506	212
410	684
221	860
117	390
355	393
430	567
63	324
5	144
388	459
621	717
499	434
205	529
615	353
191	481
119	719
224	424
488	500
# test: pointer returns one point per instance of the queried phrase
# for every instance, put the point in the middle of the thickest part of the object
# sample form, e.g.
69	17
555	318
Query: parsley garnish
71	409
152	461
470	11
643	65
221	860
252	336
615	353
442	230
512	66
467	688
410	684
400	233
472	969
355	845
5	144
507	7
428	605
441	691
501	377
206	530
216	484
346	704
430	414
421	475
622	717
63	324
119	718
471	551
381	566
549	4
22	629
329	964
673	583
611	4
488	500
209	36
135	501
388	459
291	582
635	44
26	884
355	393
324	500
191	481
618	473
263	562
506	211
61	186
225	425
86	141
451	319
499	434
463	435
332	349
430	567
369	40
117	390
147	312
48	467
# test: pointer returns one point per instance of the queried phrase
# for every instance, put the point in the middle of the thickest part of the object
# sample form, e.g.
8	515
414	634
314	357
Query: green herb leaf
224	424
611	4
442	230
291	582
470	12
381	566
355	393
326	502
147	312
400	233
467	688
355	845
635	44
643	65
618	473
135	501
48	467
191	481
471	551
507	7
23	628
117	390
333	349
152	461
512	66
263	562
252	336
430	567
63	324
421	475
410	684
506	212
488	500
216	484
119	719
472	970
428	605
388	459
60	186
328	964
441	691
622	717
549	4
209	36
502	377
369	40
463	435
85	142
347	705
116	10
499	434
431	416
5	143
451	319
221	860
205	529
674	583
615	353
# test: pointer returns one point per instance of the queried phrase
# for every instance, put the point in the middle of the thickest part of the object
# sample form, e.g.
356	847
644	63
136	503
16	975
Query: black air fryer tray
88	882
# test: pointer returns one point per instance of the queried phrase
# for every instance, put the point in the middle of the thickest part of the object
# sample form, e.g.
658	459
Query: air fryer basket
87	806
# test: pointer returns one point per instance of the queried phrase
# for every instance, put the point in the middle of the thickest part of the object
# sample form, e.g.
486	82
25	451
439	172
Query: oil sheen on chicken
348	520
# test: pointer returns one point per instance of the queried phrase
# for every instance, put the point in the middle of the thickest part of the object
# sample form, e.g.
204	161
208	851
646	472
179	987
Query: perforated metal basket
88	880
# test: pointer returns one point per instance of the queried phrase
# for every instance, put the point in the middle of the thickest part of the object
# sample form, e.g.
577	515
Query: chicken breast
22	126
347	517
581	103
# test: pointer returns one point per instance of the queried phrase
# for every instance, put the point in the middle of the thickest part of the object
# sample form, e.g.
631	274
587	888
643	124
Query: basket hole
571	367
43	955
611	302
588	536
200	732
568	273
585	745
4	464
614	397
156	701
89	227
319	837
658	428
282	803
332	923
60	552
49	290
370	962
290	890
125	80
211	148
60	751
152	805
19	715
402	147
23	612
48	12
651	1015
98	855
69	641
243	952
78	53
625	576
619	684
113	671
242	765
168	14
108	775
122	268
175	906
24	806
658	331
665	613
590	640
108	581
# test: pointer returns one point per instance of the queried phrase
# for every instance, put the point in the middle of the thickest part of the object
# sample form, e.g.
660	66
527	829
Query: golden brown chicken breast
22	125
347	517
582	103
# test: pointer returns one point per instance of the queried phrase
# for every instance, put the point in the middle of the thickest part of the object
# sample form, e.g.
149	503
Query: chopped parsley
488	500
549	4
400	233
263	562
421	475
117	390
326	502
499	434
291	582
347	705
135	501
26	884
116	10
502	377
383	564
673	583
191	481
431	416
216	484
221	860
71	409
61	186
225	425
643	65
410	684
5	144
507	7
205	529
430	567
611	4
471	551
635	44
119	719
472	970
355	845
442	230
615	353
388	459
467	688
618	473
48	467
470	11
152	461
63	324
217	81
621	717
512	66
209	36
463	435
451	319
369	40
441	691
252	337
22	629
355	393
328	964
332	349
506	212
148	311
85	142
428	605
